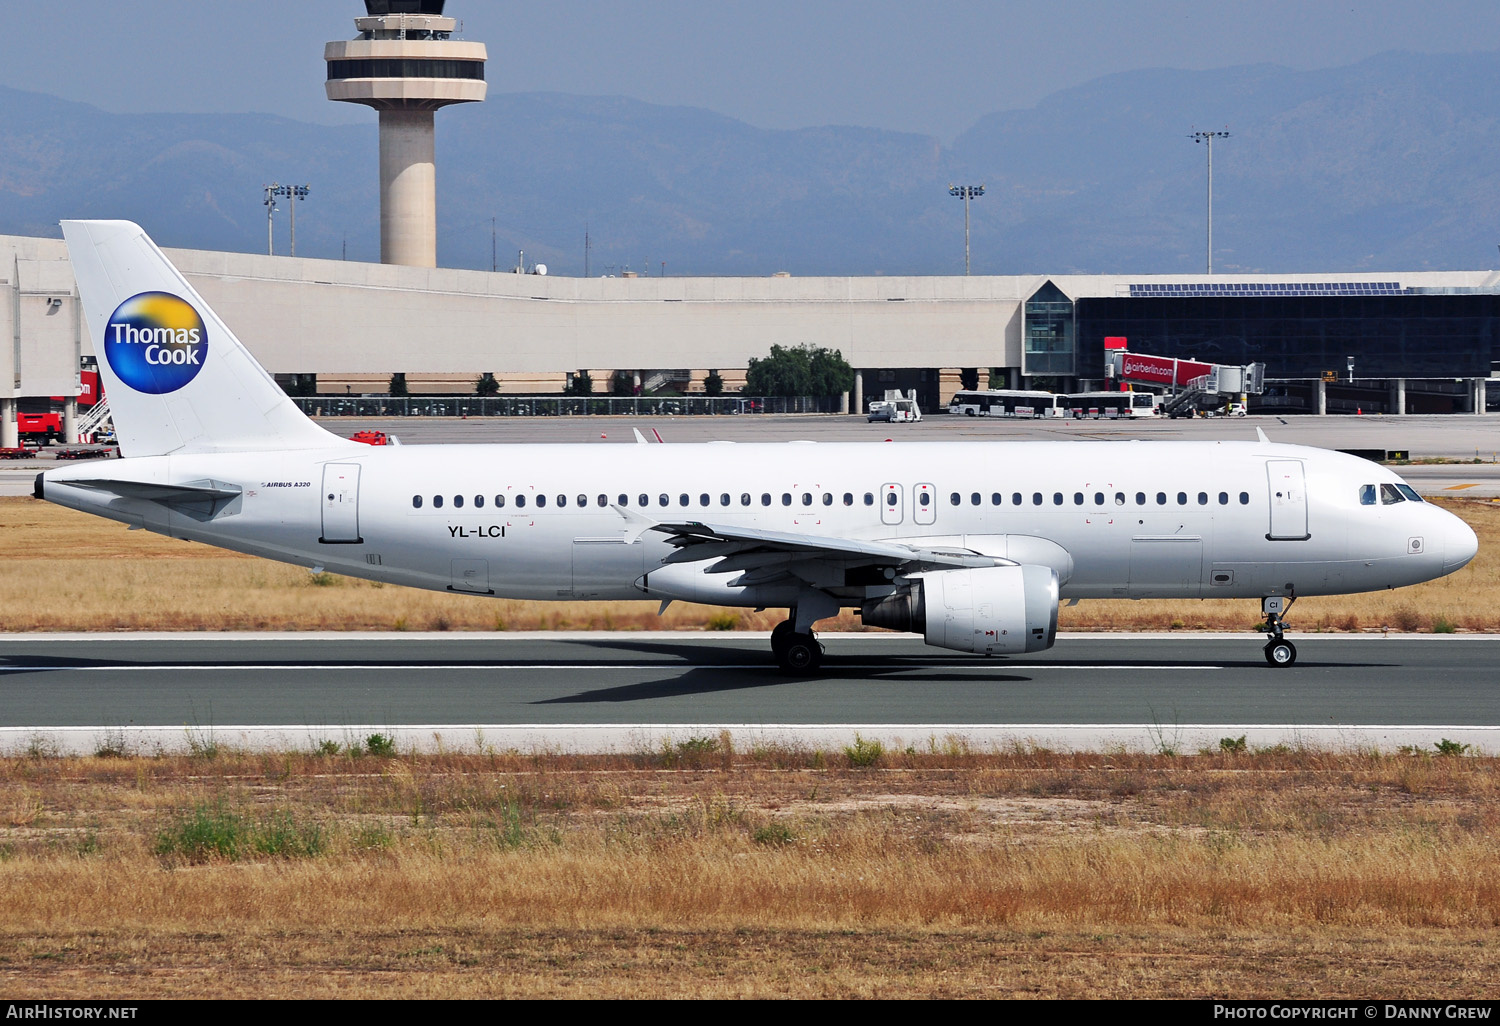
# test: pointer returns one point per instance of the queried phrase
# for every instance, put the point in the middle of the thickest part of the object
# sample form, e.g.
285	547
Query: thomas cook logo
155	342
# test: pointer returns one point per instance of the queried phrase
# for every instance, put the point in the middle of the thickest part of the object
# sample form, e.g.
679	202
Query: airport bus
999	402
1111	405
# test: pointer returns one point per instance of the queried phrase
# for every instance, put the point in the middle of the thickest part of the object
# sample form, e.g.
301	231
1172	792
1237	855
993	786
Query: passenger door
1288	495
340	504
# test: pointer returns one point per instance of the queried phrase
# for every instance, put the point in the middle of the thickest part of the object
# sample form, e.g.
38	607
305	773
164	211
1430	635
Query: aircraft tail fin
178	380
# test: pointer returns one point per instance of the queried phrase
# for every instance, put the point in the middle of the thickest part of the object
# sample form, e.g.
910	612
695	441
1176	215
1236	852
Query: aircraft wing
766	556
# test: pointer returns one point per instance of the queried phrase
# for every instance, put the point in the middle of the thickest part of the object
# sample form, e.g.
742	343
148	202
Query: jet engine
1001	610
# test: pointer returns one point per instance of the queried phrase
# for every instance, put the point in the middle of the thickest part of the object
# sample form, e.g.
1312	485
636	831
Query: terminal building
1397	342
1418	341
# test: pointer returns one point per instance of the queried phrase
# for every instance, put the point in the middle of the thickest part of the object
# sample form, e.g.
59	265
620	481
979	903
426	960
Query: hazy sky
922	67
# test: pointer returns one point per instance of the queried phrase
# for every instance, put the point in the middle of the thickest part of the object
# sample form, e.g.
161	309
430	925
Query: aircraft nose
1460	544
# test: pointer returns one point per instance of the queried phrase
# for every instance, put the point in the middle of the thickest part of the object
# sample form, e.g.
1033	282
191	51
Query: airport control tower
406	65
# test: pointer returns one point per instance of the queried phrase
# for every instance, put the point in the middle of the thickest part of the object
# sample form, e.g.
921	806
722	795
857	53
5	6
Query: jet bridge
1192	385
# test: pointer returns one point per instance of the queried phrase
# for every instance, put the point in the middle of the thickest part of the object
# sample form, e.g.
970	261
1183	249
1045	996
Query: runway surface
614	690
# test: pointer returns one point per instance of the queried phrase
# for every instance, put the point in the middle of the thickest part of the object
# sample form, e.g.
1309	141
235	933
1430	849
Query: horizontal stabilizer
200	500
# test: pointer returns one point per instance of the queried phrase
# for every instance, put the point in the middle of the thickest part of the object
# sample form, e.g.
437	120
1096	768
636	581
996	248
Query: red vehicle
40	420
37	422
370	437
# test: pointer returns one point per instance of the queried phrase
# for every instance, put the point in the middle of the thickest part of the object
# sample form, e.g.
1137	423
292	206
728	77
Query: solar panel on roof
1296	288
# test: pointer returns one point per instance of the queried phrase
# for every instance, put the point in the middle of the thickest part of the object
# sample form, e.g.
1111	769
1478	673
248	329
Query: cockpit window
1389	494
1410	492
1367	495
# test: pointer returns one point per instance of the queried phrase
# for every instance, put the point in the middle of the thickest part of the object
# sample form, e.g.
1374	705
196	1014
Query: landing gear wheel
1281	653
799	653
779	634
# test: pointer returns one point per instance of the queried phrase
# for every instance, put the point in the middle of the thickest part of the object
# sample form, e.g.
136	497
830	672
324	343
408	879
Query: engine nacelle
1001	610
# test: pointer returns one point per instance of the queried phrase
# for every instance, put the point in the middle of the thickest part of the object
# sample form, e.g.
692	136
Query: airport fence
561	405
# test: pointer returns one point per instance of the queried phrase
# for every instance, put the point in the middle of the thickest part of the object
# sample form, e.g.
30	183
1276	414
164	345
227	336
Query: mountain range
1388	164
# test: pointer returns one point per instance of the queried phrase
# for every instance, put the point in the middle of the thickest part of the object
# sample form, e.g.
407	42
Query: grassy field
63	570
698	870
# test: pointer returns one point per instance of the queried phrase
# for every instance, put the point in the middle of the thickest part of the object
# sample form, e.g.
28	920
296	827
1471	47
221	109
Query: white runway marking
333	665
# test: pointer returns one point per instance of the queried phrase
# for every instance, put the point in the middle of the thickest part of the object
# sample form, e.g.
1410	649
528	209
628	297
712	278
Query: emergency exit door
340	504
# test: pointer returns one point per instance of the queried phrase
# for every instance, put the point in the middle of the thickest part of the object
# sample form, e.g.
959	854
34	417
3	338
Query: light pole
1209	137
272	191
293	193
968	192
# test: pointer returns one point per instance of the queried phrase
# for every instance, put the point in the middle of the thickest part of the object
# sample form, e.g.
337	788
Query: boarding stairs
98	419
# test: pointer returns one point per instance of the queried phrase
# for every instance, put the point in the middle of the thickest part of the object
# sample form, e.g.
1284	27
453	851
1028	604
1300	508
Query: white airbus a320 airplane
970	544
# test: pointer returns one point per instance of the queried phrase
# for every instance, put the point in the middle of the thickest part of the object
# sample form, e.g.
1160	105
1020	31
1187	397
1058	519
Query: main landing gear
795	653
1279	651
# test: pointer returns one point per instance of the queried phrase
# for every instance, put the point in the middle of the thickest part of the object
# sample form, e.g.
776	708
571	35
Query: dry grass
63	570
699	871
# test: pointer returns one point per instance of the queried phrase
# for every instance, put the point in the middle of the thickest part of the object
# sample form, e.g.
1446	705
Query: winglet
1261	435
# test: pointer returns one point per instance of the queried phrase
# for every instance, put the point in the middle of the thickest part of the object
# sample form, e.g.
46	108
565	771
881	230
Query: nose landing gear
796	653
1278	651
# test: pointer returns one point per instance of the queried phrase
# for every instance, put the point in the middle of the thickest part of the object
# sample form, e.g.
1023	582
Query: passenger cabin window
765	498
1078	498
723	498
520	502
416	502
1098	498
1140	498
683	500
645	499
828	498
1244	498
1203	498
1015	498
1182	498
479	502
807	498
541	500
1161	498
976	498
848	498
744	498
703	499
499	502
1223	498
786	498
604	501
1119	498
1036	498
458	502
1057	498
869	498
583	500
437	502
890	498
